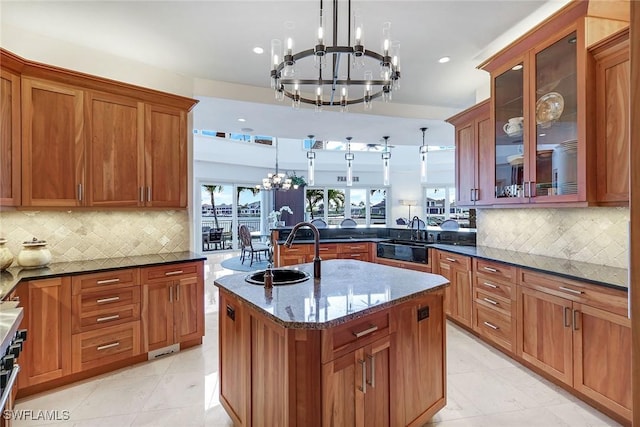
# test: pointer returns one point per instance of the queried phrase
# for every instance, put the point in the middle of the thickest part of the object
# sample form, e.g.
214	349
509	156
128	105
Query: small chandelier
348	156
338	83
311	160
277	180
386	156
424	149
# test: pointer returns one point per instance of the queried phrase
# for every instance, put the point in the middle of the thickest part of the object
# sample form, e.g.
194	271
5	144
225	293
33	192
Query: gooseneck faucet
415	221
316	244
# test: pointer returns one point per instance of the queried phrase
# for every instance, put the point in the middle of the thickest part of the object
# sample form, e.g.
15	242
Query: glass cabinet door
556	87
509	133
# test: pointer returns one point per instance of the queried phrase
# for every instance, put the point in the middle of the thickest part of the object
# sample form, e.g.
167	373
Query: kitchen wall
595	235
73	235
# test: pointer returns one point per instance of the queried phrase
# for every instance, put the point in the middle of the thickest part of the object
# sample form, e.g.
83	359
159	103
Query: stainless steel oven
402	251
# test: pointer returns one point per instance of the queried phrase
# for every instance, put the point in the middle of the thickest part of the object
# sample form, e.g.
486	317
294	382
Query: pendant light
424	149
311	160
349	158
386	156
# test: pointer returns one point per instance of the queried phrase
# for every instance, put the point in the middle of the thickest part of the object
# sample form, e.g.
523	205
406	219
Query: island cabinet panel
418	369
296	254
165	146
327	251
458	299
360	251
115	157
47	317
234	356
579	334
52	144
172	309
10	139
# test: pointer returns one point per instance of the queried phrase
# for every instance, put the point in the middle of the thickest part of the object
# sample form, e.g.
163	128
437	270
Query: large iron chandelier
338	83
277	180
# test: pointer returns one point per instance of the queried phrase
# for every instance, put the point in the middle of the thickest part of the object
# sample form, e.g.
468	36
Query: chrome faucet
316	244
415	221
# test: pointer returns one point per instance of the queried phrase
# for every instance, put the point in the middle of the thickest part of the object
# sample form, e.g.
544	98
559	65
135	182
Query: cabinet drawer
326	248
169	270
113	279
91	301
611	300
406	265
352	335
493	302
103	346
348	248
491	286
298	249
356	255
494	326
460	261
106	316
495	270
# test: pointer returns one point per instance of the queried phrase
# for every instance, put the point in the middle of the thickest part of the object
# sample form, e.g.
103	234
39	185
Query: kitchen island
363	345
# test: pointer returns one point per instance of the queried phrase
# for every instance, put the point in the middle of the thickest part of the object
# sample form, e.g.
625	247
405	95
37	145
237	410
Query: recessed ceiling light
517	67
444	59
258	50
242	120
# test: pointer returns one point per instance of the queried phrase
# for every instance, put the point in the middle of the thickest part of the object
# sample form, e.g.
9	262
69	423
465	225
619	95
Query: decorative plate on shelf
549	109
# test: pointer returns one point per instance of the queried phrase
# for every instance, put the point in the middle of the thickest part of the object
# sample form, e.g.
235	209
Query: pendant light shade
349	158
386	157
424	149
311	160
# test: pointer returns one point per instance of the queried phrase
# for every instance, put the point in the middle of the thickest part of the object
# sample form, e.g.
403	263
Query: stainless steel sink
281	276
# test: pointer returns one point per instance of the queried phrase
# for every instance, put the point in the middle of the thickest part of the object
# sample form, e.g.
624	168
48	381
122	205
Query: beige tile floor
485	389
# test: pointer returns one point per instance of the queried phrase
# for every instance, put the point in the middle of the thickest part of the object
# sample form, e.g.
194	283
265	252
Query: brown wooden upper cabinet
543	115
9	138
474	150
89	142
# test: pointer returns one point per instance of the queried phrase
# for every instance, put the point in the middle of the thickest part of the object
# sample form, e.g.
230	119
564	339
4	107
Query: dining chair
248	246
319	223
348	223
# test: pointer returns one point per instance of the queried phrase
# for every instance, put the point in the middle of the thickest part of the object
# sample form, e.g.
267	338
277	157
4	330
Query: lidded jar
6	257
34	254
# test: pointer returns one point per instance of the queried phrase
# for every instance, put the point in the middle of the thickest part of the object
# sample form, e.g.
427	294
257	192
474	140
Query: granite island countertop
10	278
348	289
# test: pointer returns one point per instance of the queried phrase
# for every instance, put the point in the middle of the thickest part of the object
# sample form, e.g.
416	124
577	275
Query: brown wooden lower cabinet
392	376
458	299
582	345
303	253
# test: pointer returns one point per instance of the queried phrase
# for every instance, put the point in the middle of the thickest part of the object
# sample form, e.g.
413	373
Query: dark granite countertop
347	290
10	278
602	275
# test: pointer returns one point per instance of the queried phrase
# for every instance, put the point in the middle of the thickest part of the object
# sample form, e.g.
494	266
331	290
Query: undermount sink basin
281	276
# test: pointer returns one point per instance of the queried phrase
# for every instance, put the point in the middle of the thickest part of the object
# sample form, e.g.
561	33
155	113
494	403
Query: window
440	204
366	206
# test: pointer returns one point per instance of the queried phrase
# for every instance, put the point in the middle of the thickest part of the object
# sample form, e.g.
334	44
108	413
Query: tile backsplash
595	235
83	235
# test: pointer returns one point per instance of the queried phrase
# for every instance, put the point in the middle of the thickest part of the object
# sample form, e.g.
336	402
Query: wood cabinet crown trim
30	68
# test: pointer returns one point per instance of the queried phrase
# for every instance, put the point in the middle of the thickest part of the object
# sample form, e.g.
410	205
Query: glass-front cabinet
536	132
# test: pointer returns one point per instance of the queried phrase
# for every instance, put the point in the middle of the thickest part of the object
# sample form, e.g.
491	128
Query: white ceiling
213	40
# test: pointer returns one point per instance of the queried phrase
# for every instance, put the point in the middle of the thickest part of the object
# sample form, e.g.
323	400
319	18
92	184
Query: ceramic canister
34	254
6	257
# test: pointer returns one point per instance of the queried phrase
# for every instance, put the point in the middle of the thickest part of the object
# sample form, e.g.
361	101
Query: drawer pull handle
451	259
324	249
111	299
363	365
356	255
107	318
567	320
573	291
106	346
367	331
490	301
491	285
173	273
107	281
493	270
494	327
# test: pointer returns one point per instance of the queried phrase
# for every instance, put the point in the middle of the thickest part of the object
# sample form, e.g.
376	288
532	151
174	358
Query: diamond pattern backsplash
75	236
595	235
